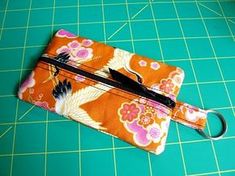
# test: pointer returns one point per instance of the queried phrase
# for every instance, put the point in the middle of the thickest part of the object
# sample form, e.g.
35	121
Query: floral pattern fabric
28	83
189	115
146	120
78	52
129	112
136	120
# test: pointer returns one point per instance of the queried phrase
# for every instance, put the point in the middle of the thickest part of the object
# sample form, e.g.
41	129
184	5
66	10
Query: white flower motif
155	66
194	115
63	49
142	63
154	133
84	53
77	52
87	42
74	44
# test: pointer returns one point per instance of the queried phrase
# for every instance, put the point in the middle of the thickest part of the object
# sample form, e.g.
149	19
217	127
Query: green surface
195	35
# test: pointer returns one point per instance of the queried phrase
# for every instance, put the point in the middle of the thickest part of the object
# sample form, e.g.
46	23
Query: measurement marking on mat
120	28
30	109
6	132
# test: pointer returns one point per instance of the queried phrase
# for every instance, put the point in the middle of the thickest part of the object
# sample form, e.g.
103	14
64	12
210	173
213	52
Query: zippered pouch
125	95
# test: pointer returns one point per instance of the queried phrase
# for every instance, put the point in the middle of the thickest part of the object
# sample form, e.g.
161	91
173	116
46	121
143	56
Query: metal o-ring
222	132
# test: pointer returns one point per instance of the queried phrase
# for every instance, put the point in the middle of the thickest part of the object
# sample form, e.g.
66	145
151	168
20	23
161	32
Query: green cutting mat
198	36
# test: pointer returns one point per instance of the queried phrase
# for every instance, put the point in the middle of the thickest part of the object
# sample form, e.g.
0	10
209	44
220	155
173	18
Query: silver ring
221	133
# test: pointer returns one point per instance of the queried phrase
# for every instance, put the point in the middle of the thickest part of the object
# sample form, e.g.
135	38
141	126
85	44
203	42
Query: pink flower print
76	52
87	42
79	78
154	133
84	53
166	85
161	112
155	66
142	63
74	44
63	49
129	112
145	119
139	133
64	33
193	114
28	83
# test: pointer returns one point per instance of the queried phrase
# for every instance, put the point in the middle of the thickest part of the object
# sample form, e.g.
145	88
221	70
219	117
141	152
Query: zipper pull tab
126	81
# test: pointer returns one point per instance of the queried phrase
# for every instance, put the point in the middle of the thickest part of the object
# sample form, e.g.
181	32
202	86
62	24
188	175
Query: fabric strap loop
196	118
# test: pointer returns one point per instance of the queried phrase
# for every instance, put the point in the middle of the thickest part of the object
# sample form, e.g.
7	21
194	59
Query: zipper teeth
163	100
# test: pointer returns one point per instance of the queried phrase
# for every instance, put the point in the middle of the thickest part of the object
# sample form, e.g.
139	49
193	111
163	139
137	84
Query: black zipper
152	95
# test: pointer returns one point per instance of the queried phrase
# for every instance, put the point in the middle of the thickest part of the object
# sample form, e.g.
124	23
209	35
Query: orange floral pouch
128	96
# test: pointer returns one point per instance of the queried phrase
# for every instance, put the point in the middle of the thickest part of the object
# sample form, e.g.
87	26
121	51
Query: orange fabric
137	120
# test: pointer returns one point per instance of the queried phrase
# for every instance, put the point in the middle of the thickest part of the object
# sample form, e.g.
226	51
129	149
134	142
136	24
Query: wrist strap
189	115
196	118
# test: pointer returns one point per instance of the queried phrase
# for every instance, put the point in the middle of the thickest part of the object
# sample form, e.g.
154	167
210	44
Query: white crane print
68	103
121	59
